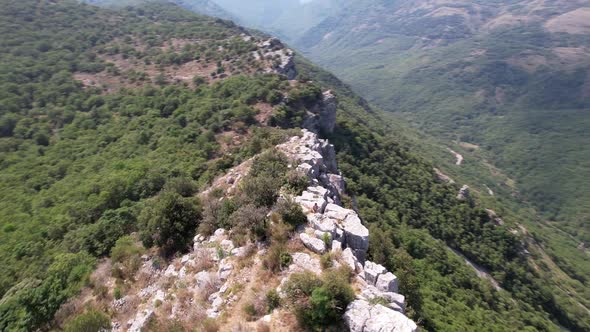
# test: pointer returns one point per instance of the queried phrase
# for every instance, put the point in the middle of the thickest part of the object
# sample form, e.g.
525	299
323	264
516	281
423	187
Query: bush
169	221
326	261
319	303
297	182
90	321
249	219
262	191
291	213
273	300
277	258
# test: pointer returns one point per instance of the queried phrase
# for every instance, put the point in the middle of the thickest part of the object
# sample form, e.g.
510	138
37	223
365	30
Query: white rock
227	245
304	262
387	283
357	235
372	272
141	318
185	259
349	258
356	315
360	316
225	270
316	245
321	223
171	271
336	246
384	319
336	212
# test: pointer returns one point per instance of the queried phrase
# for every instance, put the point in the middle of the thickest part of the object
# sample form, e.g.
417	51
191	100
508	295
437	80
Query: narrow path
479	270
458	156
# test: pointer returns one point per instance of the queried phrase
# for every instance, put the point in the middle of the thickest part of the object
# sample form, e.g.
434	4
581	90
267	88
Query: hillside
493	76
504	83
117	125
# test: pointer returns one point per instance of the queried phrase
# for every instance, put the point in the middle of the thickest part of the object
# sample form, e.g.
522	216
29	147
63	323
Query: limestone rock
349	258
314	244
356	315
336	246
225	270
304	262
357	235
387	283
373	271
360	316
328	112
463	193
321	223
385	319
336	212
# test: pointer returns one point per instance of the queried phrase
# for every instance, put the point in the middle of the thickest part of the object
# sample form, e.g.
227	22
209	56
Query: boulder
304	262
385	319
387	283
356	315
314	244
336	246
349	258
463	193
357	235
336	212
361	316
314	201
224	271
321	223
373	271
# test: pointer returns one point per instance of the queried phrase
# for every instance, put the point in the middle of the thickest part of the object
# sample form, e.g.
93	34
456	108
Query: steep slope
502	82
113	121
500	76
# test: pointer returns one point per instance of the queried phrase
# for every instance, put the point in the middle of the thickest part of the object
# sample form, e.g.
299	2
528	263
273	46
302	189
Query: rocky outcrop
348	236
463	193
322	116
282	58
361	316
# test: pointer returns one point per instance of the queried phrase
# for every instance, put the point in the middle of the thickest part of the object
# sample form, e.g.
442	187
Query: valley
156	177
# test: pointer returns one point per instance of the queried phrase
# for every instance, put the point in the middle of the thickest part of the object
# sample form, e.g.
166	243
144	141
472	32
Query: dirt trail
458	156
479	270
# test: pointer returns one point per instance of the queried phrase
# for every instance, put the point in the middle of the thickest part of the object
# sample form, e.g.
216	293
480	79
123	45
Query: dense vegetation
510	92
82	169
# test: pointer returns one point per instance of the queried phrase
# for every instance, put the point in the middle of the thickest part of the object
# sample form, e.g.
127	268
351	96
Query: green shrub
262	191
169	221
90	321
319	303
297	182
326	261
273	300
249	309
291	213
117	293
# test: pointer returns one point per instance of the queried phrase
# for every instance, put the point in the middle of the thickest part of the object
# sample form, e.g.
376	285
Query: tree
169	221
